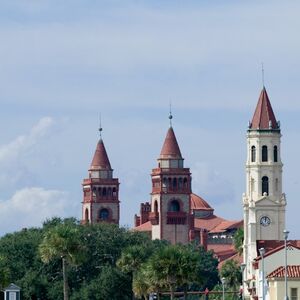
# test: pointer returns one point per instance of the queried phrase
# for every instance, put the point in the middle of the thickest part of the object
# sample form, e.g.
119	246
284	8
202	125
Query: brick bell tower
100	191
170	198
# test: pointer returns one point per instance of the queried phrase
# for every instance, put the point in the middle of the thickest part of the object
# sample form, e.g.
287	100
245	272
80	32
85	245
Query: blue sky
64	62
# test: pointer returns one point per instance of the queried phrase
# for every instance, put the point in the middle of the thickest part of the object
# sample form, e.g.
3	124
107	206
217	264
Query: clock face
265	221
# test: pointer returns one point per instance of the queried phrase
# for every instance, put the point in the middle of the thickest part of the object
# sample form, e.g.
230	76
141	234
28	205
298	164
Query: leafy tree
62	241
238	240
232	273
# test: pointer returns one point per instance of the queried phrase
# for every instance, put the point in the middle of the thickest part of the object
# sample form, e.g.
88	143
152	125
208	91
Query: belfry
100	190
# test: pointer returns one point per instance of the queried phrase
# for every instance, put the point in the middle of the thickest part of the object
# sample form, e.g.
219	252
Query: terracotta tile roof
272	246
222	251
292	272
207	223
236	257
225	225
263	114
170	147
144	227
100	159
199	203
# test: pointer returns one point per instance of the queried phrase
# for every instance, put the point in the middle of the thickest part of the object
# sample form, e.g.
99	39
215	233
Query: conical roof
100	159
264	117
170	147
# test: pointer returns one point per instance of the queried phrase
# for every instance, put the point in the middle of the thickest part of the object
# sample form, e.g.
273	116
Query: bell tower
170	197
100	190
264	203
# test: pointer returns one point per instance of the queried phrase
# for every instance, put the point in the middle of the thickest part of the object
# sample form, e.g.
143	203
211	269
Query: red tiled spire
264	117
100	160
170	147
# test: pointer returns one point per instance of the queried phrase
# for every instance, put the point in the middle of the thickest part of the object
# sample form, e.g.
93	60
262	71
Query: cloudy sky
62	63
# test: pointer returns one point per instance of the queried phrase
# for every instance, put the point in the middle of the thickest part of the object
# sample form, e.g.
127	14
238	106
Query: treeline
66	259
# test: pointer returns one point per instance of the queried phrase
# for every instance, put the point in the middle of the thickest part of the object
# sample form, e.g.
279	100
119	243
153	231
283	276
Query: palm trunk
65	277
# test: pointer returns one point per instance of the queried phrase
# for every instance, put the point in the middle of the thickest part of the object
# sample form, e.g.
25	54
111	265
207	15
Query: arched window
264	153
169	182
103	214
114	192
275	152
94	191
265	185
104	191
180	183
174	183
86	217
185	185
109	192
155	206
253	154
99	191
174	206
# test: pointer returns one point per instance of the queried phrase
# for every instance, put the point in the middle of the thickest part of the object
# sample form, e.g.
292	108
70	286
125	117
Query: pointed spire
264	117
170	147
100	160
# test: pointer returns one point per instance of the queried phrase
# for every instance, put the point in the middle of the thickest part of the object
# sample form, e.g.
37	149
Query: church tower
170	198
100	190
264	203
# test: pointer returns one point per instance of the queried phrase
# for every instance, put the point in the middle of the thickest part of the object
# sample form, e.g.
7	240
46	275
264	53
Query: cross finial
170	114
263	74
100	128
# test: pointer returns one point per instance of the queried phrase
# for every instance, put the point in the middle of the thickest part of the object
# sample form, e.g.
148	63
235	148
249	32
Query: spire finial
170	114
100	128
263	74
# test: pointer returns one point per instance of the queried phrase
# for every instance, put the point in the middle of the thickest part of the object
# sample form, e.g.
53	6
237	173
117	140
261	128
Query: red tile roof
222	251
170	147
263	114
292	272
272	246
207	223
144	227
100	159
225	225
199	203
236	257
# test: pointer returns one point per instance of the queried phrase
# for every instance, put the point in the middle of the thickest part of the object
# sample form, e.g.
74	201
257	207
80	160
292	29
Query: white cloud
15	156
31	206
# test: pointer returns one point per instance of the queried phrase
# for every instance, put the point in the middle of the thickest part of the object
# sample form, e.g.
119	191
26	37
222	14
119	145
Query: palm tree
62	241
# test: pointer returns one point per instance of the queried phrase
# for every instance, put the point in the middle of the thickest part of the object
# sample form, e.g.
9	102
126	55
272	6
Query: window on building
180	183
114	192
276	184
103	214
104	191
294	294
109	192
275	154
174	206
185	183
174	183
253	154
86	218
265	185
264	153
155	206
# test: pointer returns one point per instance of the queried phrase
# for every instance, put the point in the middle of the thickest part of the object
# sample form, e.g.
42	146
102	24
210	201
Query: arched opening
114	192
265	185
276	184
185	184
109	192
86	215
180	183
174	206
94	192
174	183
99	191
104	192
155	206
165	183
275	154
253	154
169	182
104	214
264	153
